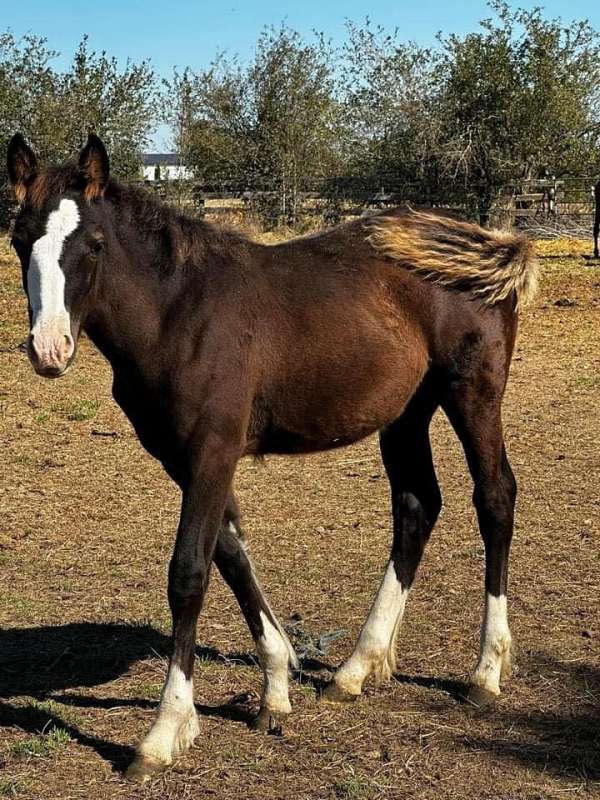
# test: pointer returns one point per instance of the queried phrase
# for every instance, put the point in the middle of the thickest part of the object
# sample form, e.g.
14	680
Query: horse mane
181	238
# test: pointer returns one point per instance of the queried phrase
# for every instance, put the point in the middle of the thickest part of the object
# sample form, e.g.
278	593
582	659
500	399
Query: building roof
164	159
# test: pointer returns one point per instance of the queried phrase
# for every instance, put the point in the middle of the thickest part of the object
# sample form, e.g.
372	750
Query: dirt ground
86	527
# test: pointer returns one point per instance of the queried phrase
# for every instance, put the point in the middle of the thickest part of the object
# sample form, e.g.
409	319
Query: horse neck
132	294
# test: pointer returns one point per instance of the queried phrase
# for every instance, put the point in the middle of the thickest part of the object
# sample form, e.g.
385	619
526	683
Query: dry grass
86	530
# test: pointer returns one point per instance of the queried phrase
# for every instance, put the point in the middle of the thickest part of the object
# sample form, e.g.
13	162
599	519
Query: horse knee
495	507
187	582
416	516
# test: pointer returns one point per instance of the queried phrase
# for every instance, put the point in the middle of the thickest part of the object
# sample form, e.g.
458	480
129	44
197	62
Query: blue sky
188	33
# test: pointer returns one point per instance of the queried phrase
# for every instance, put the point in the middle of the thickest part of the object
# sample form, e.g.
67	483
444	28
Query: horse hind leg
275	651
416	503
474	411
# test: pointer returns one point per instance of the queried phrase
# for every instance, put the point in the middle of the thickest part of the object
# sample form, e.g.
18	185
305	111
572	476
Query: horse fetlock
494	666
384	667
507	667
186	735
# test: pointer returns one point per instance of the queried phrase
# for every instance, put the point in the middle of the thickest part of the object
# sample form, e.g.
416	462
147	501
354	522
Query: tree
295	112
517	99
389	107
207	114
55	110
26	78
117	104
272	121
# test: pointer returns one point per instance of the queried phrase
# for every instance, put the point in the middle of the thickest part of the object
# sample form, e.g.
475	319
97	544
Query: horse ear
94	167
22	165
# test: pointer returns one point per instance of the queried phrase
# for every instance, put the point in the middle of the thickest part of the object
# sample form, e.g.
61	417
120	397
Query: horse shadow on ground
562	741
44	662
456	690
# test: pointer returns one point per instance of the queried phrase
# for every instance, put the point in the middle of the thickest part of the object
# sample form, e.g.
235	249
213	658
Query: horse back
347	336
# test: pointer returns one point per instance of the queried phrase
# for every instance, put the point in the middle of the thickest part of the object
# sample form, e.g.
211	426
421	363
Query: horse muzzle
51	352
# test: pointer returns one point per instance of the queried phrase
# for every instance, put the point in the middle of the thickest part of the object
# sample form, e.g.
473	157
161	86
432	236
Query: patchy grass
588	383
12	787
354	787
58	711
76	410
17	605
566	248
150	691
41	746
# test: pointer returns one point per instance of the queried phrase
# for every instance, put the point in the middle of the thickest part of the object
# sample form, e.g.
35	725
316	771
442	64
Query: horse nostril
68	346
31	345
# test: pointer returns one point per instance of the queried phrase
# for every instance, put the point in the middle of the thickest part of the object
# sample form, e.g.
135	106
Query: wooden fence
549	204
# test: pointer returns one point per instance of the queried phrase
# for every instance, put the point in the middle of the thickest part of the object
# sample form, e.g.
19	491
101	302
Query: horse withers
222	347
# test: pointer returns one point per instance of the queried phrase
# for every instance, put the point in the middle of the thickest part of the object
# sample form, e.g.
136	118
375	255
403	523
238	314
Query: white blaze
45	278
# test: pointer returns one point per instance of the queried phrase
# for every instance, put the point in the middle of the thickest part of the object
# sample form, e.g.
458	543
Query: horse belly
343	397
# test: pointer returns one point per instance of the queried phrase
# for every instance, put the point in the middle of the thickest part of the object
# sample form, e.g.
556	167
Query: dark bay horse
222	347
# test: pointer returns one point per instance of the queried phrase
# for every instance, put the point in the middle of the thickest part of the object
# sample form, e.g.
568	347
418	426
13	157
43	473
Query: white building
164	167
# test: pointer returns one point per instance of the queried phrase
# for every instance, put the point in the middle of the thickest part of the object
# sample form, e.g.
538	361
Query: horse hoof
143	769
333	693
268	722
481	698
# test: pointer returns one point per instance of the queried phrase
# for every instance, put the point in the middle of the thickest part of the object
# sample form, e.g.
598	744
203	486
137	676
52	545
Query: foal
221	347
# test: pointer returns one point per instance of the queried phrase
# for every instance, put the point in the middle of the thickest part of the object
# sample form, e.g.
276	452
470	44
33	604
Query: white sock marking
176	723
274	659
45	278
495	645
293	658
375	649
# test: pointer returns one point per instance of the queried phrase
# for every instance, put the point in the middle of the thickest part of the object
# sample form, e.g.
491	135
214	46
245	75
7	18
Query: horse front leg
274	649
204	497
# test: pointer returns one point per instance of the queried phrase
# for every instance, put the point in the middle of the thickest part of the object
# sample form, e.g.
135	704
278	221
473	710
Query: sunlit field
87	522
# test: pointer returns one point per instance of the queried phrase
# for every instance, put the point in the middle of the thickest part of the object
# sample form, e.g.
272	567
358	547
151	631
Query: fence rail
564	203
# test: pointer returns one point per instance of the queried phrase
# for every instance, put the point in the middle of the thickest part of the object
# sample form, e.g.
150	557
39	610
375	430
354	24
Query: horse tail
490	264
